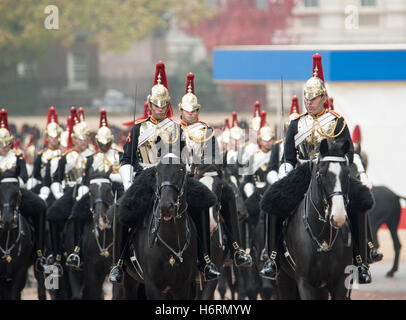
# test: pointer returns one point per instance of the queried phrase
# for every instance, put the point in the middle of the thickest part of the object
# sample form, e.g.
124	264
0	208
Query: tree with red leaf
240	22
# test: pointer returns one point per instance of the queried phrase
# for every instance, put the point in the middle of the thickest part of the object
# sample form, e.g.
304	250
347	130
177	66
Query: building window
26	69
77	70
366	3
311	3
261	4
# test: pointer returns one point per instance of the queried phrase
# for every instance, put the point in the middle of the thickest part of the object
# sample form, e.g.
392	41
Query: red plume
4	119
294	108
190	82
234	122
17	144
103	119
356	135
331	103
227	123
74	116
52	117
81	114
263	118
317	63
257	109
74	120
160	70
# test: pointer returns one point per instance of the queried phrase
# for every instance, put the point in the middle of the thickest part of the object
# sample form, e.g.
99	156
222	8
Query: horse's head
10	198
170	187
331	175
101	198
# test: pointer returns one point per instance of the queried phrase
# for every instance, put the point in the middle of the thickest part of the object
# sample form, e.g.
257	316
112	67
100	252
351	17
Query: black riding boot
206	266
119	252
54	259
39	227
373	254
230	215
273	229
359	229
74	260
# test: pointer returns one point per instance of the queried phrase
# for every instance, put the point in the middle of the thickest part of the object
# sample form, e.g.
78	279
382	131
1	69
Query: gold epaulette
41	151
140	120
279	141
66	152
335	113
17	152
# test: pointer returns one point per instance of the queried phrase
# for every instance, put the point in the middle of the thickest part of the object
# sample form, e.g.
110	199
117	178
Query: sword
132	138
282	129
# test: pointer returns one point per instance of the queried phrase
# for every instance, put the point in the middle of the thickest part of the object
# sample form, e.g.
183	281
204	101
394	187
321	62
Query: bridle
103	248
324	218
157	218
6	253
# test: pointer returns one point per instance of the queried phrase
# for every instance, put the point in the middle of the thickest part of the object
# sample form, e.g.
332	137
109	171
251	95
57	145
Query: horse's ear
346	147
323	147
358	149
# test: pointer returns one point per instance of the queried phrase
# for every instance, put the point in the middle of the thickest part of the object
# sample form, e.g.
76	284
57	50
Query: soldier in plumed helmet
13	169
202	148
302	143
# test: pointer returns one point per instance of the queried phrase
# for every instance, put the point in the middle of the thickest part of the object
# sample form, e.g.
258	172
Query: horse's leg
339	292
286	286
208	290
396	246
41	291
76	282
129	288
306	291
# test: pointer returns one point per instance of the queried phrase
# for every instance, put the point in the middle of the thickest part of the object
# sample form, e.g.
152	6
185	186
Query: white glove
272	177
56	189
44	193
21	183
82	190
365	180
115	177
126	172
284	169
31	183
249	189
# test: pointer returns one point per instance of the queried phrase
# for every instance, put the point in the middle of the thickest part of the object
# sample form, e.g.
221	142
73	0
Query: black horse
163	247
16	245
317	231
97	237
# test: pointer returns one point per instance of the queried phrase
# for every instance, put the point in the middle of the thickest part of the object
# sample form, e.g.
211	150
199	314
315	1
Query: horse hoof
390	274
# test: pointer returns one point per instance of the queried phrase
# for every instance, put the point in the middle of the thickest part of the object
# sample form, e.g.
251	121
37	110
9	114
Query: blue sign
234	65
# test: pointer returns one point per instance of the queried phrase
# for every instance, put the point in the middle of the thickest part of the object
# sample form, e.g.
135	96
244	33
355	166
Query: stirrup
73	260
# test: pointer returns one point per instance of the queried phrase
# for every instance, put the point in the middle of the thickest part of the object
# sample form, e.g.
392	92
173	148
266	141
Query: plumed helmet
189	100
225	136
356	134
104	134
235	131
315	87
160	92
331	103
53	129
6	138
256	118
80	130
265	132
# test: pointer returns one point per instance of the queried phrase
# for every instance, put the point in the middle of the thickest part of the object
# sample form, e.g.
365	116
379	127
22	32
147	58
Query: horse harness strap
6	252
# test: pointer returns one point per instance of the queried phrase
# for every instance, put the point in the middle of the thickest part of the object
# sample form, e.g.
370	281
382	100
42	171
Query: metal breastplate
259	166
108	162
308	148
48	154
195	135
8	162
148	149
75	165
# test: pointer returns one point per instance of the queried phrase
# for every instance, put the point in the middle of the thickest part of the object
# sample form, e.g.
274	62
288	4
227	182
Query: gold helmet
80	130
256	119
315	86
160	92
189	100
104	135
53	129
6	138
235	132
265	132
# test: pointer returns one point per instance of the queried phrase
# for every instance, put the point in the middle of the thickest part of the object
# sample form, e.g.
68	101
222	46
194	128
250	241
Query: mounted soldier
301	145
66	182
103	166
13	168
141	151
202	148
51	153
